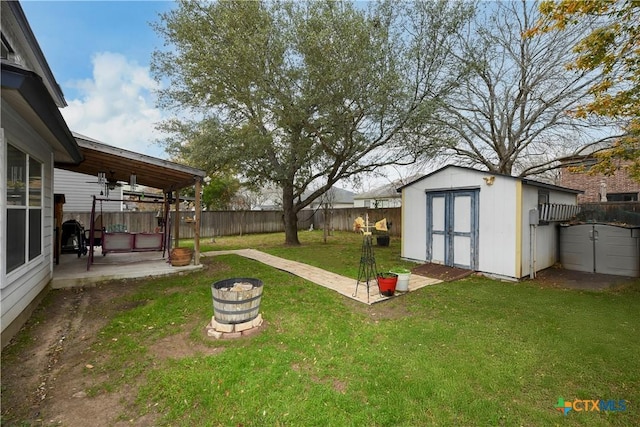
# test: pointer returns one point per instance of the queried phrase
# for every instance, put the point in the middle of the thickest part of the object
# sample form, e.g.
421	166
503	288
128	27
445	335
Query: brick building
617	188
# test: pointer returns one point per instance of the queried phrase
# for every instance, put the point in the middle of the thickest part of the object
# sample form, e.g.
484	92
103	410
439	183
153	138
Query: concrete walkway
72	272
343	285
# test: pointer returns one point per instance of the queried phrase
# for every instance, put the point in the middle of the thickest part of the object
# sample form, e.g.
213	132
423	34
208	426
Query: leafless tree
512	114
327	201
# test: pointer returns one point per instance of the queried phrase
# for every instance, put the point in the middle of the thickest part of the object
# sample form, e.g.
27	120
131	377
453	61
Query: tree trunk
327	222
290	217
326	226
290	227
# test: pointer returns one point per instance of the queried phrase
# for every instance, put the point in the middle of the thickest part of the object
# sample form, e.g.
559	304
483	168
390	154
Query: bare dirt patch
441	272
44	368
558	277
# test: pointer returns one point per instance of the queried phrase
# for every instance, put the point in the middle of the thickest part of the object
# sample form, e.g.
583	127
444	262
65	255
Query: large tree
222	183
304	94
511	114
613	47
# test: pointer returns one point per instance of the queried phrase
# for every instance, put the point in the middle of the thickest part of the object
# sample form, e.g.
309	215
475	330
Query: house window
622	197
24	208
543	197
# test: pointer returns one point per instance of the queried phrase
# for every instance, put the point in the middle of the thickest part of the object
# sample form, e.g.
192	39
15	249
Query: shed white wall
497	244
498	240
78	190
547	236
20	288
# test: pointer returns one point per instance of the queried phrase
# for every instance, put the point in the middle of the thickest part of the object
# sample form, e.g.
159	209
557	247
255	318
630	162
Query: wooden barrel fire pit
236	300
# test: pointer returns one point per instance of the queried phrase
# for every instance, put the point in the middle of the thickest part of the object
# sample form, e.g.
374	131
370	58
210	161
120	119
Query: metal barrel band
224	301
245	311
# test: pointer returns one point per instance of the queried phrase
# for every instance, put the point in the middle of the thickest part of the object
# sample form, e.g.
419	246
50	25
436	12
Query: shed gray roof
524	180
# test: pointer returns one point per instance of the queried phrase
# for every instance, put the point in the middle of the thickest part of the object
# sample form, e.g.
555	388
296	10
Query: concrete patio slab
72	271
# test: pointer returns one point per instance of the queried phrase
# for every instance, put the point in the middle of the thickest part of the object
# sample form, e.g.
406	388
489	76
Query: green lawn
341	253
476	352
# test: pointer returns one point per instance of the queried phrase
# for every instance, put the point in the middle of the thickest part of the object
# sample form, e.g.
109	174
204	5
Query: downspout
534	220
519	230
532	247
402	230
535	249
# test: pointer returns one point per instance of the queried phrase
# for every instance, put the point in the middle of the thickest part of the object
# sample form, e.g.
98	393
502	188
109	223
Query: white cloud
117	106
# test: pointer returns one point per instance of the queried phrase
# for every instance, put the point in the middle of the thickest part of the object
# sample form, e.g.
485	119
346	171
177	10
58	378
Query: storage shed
601	248
496	224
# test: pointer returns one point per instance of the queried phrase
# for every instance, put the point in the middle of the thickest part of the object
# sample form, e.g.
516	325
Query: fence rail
230	223
615	212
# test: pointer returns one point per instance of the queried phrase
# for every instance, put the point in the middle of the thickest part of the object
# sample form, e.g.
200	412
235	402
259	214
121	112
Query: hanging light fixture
133	182
102	178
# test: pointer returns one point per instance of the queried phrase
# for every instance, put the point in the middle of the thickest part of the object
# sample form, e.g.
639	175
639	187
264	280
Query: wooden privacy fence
612	212
342	219
230	223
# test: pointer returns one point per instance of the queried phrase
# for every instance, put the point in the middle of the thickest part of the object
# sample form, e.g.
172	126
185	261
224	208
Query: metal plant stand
368	270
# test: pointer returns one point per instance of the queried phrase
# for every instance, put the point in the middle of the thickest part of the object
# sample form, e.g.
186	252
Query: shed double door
452	228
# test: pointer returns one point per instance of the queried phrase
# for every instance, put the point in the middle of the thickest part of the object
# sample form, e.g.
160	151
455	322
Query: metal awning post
177	223
92	224
196	236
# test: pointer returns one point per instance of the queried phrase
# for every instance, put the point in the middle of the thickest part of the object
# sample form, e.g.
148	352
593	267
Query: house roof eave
36	57
26	93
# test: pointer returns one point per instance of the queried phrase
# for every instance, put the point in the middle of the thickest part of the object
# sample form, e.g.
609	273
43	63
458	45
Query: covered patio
119	165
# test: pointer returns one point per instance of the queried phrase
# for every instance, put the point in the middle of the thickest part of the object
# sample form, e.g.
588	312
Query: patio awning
119	164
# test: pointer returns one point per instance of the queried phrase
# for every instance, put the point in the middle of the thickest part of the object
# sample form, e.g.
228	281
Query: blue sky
99	52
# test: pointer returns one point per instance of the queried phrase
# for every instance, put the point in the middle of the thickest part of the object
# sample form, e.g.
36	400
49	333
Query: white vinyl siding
79	189
20	286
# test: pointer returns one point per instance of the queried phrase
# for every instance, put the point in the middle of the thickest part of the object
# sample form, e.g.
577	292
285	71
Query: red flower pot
387	283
